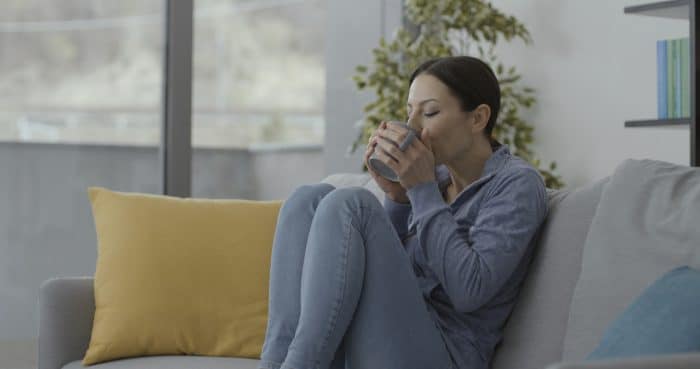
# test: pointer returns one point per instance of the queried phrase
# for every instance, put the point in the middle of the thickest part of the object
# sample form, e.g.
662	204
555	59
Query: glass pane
80	87
258	96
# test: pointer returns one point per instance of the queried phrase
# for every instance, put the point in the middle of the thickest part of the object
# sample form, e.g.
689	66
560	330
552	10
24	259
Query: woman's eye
431	114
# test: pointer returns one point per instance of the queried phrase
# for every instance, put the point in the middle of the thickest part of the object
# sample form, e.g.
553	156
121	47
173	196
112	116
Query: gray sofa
535	335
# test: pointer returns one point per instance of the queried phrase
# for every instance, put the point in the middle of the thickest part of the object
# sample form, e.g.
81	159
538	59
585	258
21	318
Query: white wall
593	67
353	28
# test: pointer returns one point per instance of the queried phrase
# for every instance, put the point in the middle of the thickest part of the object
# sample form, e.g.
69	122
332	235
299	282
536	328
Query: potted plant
448	28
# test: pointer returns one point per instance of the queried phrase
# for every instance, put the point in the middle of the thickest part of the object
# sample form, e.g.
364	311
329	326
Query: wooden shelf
658	122
676	9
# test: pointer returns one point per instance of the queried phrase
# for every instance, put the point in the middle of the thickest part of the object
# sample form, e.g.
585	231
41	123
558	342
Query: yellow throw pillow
180	276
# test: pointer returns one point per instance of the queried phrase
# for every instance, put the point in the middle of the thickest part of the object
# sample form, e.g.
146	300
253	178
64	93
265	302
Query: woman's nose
414	124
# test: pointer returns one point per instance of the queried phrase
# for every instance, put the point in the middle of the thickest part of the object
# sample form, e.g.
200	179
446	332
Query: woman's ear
482	113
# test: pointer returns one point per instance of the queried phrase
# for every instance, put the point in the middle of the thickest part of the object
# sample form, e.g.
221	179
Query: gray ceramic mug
381	168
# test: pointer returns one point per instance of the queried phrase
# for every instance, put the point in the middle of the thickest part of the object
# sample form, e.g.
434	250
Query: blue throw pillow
665	319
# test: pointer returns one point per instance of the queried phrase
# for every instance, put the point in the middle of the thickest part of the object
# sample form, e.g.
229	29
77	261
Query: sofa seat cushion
171	362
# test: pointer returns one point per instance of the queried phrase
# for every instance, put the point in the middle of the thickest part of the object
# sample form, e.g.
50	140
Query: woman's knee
352	195
307	195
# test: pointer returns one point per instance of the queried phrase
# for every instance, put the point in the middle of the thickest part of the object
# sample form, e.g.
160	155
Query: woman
427	280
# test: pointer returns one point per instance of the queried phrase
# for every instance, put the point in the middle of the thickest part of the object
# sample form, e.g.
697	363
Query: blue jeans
342	289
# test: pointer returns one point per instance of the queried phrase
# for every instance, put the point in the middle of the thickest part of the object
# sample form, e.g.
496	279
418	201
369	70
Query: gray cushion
535	331
646	224
171	362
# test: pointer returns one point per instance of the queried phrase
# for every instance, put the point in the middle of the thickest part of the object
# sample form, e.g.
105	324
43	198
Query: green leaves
483	26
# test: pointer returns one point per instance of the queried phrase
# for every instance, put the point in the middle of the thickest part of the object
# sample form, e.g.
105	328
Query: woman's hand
414	165
393	190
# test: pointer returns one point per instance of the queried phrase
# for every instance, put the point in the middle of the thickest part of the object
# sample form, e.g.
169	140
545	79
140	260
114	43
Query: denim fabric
471	256
342	289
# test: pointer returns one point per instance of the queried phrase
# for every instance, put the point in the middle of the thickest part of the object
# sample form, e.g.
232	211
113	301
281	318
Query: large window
258	72
81	71
258	96
80	105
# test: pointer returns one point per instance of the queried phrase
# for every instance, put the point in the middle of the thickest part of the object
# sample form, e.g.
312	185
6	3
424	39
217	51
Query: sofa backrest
534	333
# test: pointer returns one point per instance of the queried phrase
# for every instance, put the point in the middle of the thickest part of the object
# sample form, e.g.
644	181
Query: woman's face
431	106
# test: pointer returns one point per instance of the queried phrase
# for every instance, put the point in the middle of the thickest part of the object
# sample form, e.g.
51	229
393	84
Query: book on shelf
685	77
673	78
661	91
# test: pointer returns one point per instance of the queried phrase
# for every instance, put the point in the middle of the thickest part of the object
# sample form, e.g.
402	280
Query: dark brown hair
470	80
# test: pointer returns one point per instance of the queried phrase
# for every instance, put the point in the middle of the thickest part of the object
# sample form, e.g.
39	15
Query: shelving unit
684	10
677	9
658	122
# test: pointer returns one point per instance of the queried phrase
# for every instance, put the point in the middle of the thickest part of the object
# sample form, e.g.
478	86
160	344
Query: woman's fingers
368	153
386	157
384	143
371	149
394	133
389	148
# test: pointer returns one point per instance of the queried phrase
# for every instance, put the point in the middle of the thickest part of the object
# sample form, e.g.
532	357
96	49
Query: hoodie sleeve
472	266
399	214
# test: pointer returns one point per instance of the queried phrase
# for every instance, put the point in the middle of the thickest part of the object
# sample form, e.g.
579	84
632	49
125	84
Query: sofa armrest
66	311
672	361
